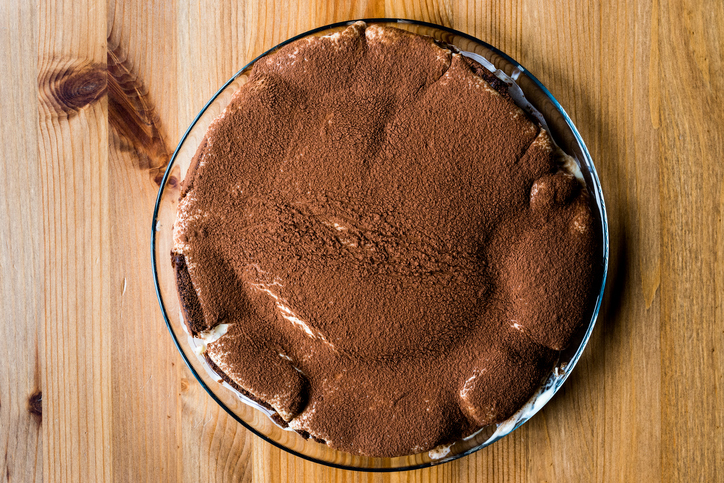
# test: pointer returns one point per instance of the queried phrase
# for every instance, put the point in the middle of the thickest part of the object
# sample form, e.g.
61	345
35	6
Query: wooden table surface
95	96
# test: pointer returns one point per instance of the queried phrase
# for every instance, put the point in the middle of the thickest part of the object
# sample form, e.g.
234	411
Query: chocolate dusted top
393	244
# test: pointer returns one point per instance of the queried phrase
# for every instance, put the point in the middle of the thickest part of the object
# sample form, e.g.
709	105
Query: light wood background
94	97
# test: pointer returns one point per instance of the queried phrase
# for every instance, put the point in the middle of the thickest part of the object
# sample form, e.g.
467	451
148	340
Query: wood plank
577	61
692	178
21	256
146	369
74	186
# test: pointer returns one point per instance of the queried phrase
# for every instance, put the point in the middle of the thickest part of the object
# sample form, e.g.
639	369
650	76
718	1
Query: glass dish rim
596	188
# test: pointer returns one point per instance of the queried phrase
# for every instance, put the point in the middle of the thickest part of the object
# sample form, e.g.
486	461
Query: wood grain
145	368
692	178
21	262
95	96
73	181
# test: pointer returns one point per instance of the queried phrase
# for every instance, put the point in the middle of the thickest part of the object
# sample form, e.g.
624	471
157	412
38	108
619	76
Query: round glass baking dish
537	99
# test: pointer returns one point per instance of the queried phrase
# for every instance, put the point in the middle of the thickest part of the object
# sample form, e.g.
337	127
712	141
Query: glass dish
537	100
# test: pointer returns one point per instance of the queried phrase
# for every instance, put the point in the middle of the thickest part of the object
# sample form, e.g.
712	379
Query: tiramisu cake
379	245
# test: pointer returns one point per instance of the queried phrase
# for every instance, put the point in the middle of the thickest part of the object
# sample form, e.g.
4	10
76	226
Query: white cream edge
198	346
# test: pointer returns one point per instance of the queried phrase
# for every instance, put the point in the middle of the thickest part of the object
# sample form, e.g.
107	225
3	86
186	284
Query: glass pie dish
530	95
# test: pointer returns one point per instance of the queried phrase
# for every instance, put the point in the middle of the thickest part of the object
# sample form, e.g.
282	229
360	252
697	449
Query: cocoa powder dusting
391	240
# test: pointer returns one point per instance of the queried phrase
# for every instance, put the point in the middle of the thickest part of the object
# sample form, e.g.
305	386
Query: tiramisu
379	245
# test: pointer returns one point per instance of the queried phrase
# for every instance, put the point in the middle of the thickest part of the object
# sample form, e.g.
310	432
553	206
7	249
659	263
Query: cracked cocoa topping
380	245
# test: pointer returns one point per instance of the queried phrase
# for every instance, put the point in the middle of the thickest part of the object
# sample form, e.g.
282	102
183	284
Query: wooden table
94	98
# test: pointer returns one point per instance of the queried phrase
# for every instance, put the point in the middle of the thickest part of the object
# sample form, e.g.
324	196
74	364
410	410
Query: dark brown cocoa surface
390	240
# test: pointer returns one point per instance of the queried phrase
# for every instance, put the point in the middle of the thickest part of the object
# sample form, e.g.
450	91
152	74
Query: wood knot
133	117
35	403
71	88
